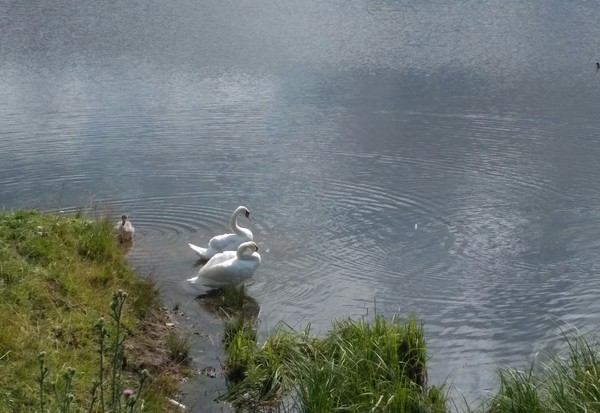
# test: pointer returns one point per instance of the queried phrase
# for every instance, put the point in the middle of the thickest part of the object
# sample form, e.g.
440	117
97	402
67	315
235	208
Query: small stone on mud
209	371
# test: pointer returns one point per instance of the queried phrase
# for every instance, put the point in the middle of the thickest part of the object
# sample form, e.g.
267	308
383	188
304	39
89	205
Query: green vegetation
380	366
60	277
568	383
357	367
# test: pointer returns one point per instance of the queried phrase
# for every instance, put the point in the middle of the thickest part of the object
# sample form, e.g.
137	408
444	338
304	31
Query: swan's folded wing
220	258
218	273
226	242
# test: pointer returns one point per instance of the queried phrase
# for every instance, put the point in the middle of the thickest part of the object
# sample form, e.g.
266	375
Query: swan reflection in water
231	303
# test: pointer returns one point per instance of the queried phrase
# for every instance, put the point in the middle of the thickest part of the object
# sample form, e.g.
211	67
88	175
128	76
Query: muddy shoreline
205	332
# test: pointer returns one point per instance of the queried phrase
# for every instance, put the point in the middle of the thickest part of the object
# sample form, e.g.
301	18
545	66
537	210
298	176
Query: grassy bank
59	276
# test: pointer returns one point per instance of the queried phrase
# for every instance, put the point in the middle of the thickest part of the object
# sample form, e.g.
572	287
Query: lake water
430	157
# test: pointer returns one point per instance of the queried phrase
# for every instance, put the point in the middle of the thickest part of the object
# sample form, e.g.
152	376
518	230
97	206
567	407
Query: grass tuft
179	347
569	382
357	367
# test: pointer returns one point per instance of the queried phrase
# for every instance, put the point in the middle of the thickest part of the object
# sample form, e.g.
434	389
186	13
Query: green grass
380	366
570	382
359	366
178	346
58	275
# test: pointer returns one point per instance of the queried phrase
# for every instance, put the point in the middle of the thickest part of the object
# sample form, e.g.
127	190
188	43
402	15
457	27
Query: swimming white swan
229	267
226	242
124	229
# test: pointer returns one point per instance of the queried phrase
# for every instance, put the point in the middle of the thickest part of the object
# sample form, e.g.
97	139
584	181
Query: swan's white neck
233	222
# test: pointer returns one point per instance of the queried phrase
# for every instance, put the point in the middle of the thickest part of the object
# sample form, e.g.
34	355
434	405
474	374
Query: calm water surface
429	157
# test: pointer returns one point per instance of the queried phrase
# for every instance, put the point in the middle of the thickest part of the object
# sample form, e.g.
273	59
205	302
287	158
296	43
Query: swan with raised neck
241	231
229	241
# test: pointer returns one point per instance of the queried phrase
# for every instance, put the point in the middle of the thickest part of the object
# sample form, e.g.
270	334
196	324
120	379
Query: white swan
226	242
229	267
124	229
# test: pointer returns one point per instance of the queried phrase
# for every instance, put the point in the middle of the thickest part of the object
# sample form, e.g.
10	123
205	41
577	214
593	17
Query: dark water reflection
430	157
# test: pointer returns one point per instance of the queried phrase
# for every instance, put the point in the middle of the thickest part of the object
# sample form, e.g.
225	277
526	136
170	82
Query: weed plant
57	278
121	400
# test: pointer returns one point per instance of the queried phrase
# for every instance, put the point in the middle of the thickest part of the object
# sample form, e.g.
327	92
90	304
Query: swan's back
228	242
229	267
232	271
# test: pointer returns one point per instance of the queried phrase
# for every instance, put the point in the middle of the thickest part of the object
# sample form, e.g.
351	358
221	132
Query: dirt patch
153	351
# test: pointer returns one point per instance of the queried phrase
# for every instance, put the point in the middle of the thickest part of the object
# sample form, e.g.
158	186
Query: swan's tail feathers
200	251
